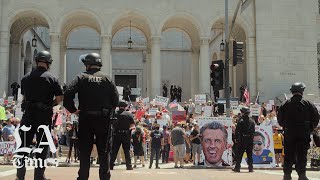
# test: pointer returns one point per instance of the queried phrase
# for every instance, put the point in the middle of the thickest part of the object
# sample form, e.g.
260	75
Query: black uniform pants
33	119
154	152
124	139
245	145
295	147
90	126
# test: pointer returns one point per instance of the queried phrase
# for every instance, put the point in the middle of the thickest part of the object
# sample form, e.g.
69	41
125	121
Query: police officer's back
97	96
39	87
244	139
122	134
298	117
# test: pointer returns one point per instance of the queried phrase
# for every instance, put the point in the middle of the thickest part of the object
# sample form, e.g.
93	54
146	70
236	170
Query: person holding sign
299	118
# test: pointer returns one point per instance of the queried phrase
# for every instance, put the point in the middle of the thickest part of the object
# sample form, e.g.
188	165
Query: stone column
252	66
106	54
55	53
204	67
63	65
4	65
14	63
155	67
194	74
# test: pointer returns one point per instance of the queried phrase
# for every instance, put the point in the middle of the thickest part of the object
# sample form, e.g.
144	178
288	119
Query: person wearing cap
244	139
98	97
298	118
41	91
122	134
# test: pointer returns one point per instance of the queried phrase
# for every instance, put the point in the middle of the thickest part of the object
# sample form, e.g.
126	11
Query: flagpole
257	98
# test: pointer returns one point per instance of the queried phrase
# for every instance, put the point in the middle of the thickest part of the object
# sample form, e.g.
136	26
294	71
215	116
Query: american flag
173	104
246	95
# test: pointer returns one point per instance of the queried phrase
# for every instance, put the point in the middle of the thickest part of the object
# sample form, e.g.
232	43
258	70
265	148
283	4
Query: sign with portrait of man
263	148
216	141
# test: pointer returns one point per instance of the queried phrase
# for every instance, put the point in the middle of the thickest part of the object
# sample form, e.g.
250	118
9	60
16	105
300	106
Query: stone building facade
174	41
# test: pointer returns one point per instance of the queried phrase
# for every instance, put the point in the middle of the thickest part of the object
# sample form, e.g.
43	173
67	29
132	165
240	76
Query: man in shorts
178	140
195	142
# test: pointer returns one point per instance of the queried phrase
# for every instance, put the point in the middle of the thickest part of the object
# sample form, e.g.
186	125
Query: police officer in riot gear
122	134
98	96
39	87
298	117
244	139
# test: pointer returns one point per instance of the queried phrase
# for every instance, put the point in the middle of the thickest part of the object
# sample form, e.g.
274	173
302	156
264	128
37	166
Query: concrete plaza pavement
166	172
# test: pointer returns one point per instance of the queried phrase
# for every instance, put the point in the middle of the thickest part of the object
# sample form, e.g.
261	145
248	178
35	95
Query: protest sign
207	111
153	111
1	101
255	110
263	156
178	116
18	113
223	134
200	98
271	102
198	109
136	91
269	107
159	100
145	100
120	90
10	100
7	147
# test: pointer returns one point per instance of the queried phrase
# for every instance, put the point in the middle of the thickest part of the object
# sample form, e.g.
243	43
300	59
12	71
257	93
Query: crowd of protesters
177	141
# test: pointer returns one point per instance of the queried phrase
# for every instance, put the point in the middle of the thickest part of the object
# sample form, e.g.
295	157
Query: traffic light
217	74
237	53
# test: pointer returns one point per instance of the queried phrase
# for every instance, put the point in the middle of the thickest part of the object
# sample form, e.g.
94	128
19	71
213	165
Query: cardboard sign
10	99
269	107
255	110
145	100
200	98
136	91
120	90
153	111
178	116
18	113
271	102
159	100
207	111
7	147
198	109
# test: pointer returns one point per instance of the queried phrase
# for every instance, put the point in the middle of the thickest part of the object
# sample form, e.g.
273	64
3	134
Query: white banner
200	98
255	110
136	91
210	137
7	147
159	100
263	149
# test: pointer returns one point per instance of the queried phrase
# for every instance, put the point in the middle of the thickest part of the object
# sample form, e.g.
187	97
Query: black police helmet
44	56
297	87
245	110
122	104
92	59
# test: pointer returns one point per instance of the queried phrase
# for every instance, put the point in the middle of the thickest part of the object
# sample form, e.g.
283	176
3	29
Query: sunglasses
257	143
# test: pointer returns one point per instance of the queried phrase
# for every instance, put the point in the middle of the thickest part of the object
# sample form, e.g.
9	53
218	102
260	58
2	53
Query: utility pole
226	85
227	34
